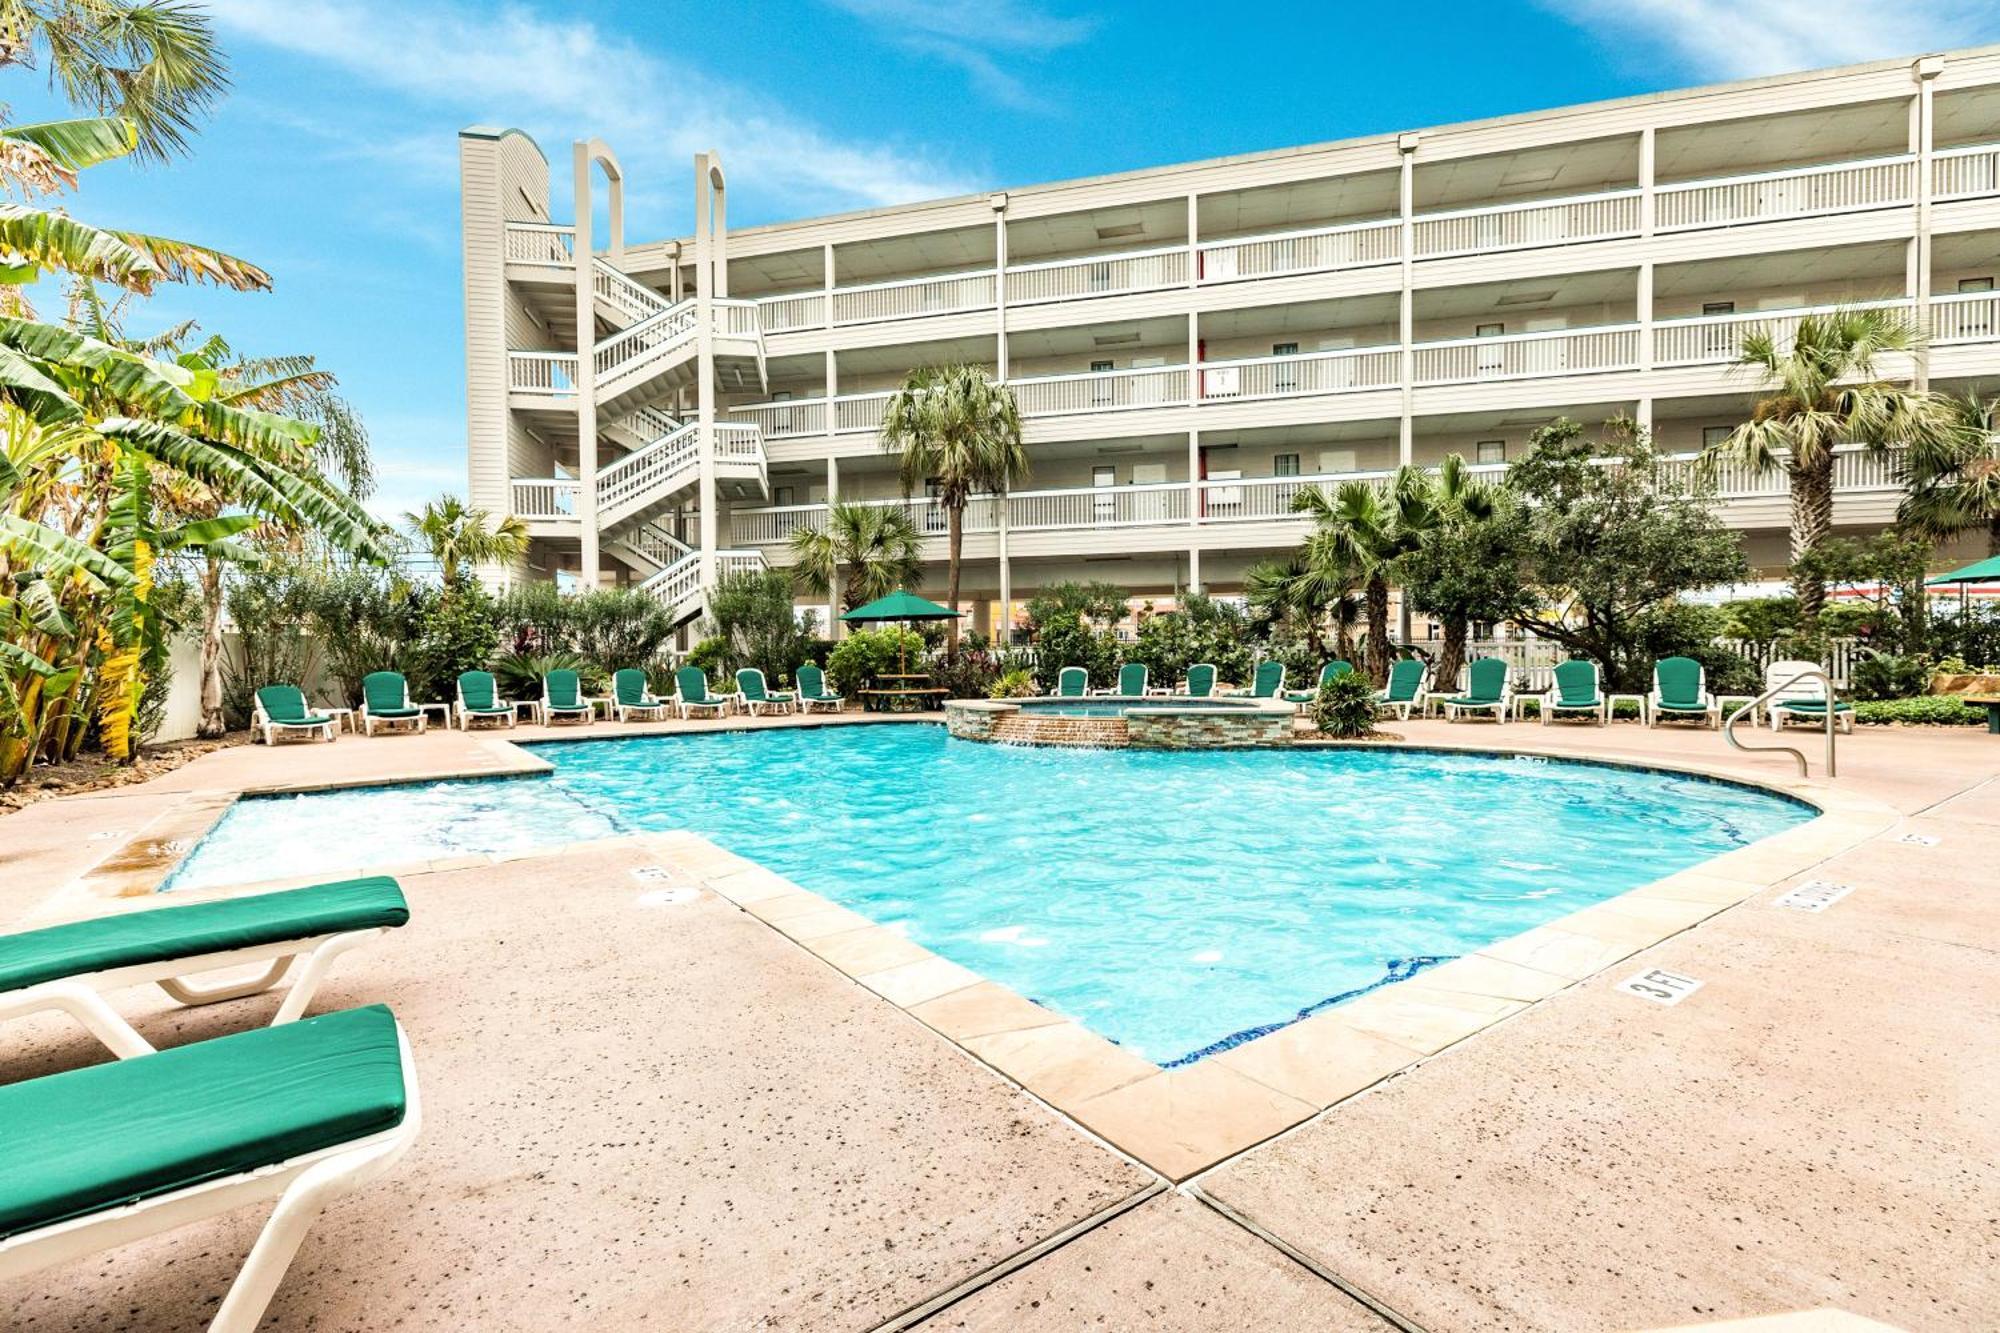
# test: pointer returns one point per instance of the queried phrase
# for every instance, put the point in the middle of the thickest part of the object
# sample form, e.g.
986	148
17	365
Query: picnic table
1991	703
902	694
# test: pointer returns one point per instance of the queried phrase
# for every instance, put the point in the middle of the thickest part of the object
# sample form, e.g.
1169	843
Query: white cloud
975	35
1732	39
566	79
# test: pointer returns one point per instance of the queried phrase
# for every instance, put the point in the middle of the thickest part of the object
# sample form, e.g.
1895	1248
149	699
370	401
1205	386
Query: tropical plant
1822	390
859	658
364	619
519	675
1927	710
272	609
457	535
958	432
1093	599
873	549
1344	707
1365	530
1953	478
1201	629
1018	683
970	675
1295	597
751	613
1465	565
458	629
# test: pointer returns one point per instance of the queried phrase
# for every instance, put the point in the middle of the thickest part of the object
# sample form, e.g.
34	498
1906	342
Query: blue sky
333	161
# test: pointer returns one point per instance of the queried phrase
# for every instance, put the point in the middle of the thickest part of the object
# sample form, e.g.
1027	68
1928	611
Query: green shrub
616	628
271	610
1202	630
1069	640
1889	676
366	620
519	675
1016	684
458	631
859	658
752	615
971	676
1926	710
1344	706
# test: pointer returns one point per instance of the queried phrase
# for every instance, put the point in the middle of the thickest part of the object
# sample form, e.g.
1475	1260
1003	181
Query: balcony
1718	339
1319	250
1772	195
1527	355
1297	376
1096	275
1594	217
1965	173
539	245
913	297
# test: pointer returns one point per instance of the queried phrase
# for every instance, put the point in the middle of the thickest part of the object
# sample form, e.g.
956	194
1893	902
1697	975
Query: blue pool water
1171	902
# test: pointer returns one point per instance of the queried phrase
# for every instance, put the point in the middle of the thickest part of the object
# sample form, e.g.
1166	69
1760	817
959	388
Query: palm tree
1309	596
960	432
875	549
1367	530
1458	502
1822	390
1954	481
457	535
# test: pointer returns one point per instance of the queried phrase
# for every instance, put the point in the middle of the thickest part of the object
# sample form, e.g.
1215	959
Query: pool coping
1179	1121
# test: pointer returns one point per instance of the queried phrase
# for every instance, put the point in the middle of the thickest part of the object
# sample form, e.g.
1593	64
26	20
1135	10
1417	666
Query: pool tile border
1182	1121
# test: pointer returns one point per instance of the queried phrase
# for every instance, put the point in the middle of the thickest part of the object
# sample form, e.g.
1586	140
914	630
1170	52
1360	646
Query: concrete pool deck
677	1113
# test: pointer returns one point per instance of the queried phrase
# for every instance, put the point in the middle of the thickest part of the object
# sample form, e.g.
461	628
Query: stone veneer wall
972	720
1221	729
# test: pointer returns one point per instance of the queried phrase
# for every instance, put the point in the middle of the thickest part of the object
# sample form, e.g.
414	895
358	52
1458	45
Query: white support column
1196	498
1644	295
1923	132
708	250
833	624
826	286
586	371
1000	363
1194	239
1406	145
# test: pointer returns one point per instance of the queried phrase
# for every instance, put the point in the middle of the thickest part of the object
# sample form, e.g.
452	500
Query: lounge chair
1131	682
1200	682
1266	682
281	710
751	690
478	700
1486	691
69	967
1803	703
100	1156
562	696
811	682
1680	692
631	696
692	684
1071	683
1333	670
1575	691
385	701
1405	689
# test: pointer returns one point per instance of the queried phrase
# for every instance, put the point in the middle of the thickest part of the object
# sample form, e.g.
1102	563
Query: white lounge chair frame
1712	706
1551	704
303	1186
1113	689
422	719
1063	674
719	702
652	704
836	702
466	719
1403	707
261	722
754	706
1499	709
1779	672
82	996
588	710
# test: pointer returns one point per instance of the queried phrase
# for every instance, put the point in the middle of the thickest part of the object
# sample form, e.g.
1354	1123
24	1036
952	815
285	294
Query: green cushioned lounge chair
756	697
631	697
385	701
1333	670
1071	683
1680	692
1200	682
68	968
479	701
692	684
1405	690
97	1157
1131	682
1804	702
1575	691
812	689
1486	691
562	696
281	710
1266	682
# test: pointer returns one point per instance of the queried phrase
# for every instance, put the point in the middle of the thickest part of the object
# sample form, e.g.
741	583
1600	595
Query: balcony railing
1097	275
911	297
1592	217
782	314
1965	173
548	373
1527	355
1770	195
539	244
1349	245
778	421
1719	338
542	498
1098	507
1296	376
1101	390
1970	317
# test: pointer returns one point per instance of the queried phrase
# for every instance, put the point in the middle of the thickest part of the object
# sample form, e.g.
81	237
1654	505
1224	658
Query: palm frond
46	239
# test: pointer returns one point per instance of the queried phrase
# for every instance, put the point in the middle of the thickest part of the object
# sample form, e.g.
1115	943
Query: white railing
911	297
657	544
1350	245
1783	194
1526	355
551	373
1518	226
1101	391
1963	173
772	526
538	498
626	480
737	319
1719	338
1269	497
539	244
1098	507
858	411
649	340
1971	317
803	416
678	586
781	314
1098	275
1857	468
634	300
1296	376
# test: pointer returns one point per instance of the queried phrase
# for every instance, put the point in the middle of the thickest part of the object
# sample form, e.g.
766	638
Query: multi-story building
1191	344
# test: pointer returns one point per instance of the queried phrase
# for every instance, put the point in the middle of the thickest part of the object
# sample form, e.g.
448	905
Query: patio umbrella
902	606
1985	571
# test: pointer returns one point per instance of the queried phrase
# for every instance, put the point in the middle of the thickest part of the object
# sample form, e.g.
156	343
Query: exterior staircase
662	473
678	587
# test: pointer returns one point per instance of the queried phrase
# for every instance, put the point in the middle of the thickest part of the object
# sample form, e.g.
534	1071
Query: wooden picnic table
902	693
1991	703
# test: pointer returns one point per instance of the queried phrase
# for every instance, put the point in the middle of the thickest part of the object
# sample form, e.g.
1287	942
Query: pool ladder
1832	718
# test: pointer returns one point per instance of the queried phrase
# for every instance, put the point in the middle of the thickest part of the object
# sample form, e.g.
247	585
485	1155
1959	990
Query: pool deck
688	1115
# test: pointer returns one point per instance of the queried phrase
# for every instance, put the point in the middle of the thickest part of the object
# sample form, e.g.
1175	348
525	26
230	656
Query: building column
1922	127
1643	306
582	249
708	250
826	285
833	621
1000	366
1197	498
1406	147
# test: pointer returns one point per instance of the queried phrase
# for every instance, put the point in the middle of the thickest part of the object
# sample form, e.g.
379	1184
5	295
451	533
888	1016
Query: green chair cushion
386	694
1814	706
496	711
375	712
97	1138
164	933
286	703
309	720
1468	701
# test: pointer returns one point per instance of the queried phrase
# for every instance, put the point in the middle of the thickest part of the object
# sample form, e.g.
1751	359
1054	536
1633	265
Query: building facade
1192	344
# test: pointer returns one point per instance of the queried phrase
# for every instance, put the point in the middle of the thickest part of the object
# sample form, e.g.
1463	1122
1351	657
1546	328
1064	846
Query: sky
333	160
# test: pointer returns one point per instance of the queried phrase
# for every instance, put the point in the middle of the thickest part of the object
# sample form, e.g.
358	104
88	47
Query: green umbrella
1987	570
903	606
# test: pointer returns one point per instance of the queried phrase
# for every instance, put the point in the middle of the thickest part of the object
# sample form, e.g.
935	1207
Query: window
1100	390
1490	360
1285	465
1284	349
781	496
1710	309
1967	286
1490	451
1286	380
1720	339
1714	436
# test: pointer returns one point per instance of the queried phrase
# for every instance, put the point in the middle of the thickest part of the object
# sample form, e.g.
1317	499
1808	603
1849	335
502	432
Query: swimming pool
1175	903
1118	707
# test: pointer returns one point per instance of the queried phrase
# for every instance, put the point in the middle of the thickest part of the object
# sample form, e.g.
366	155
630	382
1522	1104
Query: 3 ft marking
1815	895
1919	839
1660	986
652	874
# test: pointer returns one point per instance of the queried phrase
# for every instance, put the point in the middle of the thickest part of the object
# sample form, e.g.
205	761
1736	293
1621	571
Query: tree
874	549
1362	528
1609	546
1093	600
457	535
1822	391
1466	564
960	432
1297	595
1953	478
751	613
